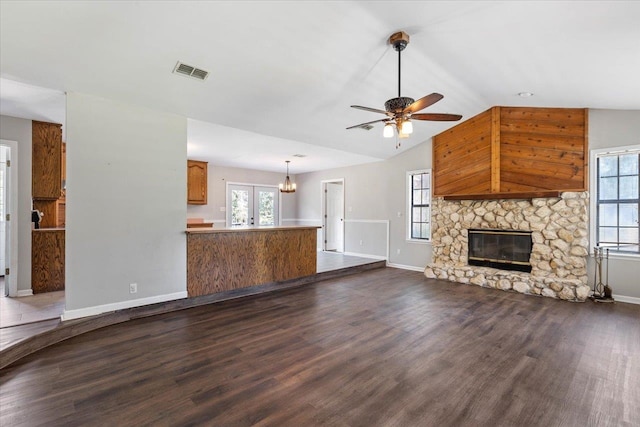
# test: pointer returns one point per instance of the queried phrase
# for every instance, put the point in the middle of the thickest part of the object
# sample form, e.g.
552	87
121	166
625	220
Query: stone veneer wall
559	229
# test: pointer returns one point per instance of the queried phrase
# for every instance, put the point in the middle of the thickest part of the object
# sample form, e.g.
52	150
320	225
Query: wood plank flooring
383	348
25	317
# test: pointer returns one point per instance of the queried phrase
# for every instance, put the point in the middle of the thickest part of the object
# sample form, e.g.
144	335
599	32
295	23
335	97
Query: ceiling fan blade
437	117
423	102
367	123
373	110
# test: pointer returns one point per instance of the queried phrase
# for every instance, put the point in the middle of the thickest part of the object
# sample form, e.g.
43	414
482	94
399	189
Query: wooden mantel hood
512	153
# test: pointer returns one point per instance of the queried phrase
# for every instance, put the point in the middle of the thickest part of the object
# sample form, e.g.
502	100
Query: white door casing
11	230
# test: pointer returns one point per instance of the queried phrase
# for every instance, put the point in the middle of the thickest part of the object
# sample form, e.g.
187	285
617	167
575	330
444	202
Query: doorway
252	205
333	215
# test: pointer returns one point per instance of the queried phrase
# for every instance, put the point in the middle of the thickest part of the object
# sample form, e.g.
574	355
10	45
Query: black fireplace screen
503	249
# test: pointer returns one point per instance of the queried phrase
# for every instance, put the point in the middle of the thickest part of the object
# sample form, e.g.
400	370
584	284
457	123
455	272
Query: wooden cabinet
46	161
196	182
47	260
47	174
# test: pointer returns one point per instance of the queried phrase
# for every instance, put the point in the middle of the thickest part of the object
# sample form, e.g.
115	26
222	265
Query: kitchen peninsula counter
225	259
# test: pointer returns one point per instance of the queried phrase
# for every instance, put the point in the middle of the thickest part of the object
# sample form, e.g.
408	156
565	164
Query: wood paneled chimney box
512	153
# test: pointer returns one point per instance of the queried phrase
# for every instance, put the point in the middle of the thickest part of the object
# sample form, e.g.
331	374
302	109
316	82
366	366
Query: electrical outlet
223	209
133	288
360	242
398	251
399	214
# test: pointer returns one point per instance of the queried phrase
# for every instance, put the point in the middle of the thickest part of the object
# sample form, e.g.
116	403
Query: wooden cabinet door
196	182
47	260
46	161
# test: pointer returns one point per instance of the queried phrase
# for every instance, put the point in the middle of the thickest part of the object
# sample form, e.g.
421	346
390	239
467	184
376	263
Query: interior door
240	206
334	217
266	206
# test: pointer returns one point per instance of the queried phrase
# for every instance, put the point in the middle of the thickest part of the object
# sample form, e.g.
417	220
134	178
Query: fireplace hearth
503	249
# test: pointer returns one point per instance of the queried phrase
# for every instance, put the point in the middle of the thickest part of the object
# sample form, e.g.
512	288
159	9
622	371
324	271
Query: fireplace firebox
503	249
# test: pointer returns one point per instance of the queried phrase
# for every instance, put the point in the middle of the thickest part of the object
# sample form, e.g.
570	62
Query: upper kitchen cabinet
46	161
196	182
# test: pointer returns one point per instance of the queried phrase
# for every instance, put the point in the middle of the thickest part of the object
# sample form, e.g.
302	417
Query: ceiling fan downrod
399	41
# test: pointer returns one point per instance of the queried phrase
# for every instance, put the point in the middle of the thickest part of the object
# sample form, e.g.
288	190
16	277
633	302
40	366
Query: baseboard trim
629	300
405	267
106	308
24	293
380	257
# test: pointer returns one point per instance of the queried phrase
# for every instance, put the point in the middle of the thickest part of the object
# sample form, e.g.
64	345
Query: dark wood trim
496	196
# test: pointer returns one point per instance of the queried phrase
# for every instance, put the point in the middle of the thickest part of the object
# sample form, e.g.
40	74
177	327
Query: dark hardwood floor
382	348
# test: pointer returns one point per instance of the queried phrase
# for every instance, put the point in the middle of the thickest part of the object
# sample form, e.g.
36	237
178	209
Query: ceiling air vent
366	127
190	71
300	155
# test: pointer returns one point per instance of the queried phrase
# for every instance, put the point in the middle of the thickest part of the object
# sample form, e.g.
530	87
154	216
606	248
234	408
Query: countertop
47	229
248	229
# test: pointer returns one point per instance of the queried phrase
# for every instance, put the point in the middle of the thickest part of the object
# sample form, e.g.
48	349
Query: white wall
15	129
373	192
615	128
217	179
126	209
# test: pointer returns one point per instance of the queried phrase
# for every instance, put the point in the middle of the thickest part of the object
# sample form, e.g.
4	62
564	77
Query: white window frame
593	199
408	200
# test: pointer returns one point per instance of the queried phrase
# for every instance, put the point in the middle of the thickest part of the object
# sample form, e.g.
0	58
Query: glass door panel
252	205
266	206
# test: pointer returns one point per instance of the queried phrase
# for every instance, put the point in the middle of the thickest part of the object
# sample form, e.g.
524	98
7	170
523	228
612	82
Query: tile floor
35	308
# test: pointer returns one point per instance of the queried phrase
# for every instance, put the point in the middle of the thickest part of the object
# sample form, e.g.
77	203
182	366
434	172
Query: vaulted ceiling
284	73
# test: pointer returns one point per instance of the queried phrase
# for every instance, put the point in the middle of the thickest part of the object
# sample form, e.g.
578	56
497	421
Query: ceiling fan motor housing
398	104
399	40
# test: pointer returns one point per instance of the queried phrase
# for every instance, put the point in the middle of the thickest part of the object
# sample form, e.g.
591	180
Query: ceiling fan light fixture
388	131
400	111
407	127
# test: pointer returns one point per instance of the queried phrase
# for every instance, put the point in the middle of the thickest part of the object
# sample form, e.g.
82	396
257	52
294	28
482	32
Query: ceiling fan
402	110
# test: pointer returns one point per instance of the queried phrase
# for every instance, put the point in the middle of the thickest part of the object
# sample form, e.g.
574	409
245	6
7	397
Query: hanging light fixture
287	187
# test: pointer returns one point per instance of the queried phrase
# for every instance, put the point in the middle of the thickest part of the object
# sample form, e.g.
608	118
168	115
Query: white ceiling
283	74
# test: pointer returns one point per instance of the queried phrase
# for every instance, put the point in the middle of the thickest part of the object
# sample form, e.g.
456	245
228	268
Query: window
419	205
616	180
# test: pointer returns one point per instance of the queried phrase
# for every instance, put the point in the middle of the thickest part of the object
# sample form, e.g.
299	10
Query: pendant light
287	187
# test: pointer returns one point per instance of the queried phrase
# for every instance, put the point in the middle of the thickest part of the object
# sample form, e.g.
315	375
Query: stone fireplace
559	250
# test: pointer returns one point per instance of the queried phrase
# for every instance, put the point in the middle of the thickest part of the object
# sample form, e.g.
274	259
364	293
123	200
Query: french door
252	205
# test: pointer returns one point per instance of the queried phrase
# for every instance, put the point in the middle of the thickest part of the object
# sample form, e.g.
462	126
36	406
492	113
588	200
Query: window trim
593	195
408	188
